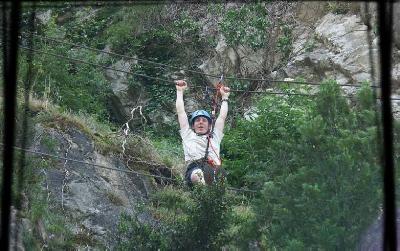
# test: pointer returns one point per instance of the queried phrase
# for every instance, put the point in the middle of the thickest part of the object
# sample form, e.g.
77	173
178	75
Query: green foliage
302	154
87	24
285	41
337	7
139	236
241	228
128	25
186	221
42	212
169	148
310	45
157	45
73	86
186	26
49	144
246	25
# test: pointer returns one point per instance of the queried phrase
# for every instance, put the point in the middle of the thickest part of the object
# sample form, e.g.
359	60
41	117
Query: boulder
369	13
44	16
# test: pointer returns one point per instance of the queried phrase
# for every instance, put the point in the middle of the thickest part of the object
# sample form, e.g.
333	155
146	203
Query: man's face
201	125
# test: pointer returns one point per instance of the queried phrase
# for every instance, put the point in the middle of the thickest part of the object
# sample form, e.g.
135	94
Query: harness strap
219	85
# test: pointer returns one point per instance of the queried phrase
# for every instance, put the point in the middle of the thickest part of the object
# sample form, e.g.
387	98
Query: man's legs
194	174
202	173
197	177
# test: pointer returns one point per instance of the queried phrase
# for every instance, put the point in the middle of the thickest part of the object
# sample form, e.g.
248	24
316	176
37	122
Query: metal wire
161	79
94	64
112	168
179	68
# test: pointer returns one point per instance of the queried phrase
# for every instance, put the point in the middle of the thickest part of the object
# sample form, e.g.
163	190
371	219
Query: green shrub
73	86
185	221
303	153
285	41
246	25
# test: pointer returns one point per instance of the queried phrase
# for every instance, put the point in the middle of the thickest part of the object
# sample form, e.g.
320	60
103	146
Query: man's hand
225	91
181	85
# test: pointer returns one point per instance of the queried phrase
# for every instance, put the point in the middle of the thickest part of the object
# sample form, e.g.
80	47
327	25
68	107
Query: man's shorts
210	173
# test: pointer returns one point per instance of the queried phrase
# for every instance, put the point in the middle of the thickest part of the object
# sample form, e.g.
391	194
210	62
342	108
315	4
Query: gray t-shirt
194	146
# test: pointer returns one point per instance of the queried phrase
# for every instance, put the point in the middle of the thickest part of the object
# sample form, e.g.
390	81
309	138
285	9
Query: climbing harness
216	170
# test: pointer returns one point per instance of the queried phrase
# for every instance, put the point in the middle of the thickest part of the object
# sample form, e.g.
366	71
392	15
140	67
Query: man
196	139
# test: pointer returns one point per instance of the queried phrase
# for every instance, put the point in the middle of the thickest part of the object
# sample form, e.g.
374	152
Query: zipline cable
157	78
93	64
179	68
112	168
289	93
78	4
91	164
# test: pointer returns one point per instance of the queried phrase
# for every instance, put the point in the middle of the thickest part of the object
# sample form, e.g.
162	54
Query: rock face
325	45
122	101
225	61
335	46
90	196
341	51
340	48
310	12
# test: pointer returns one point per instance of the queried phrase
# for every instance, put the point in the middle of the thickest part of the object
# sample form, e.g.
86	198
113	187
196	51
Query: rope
91	164
112	168
288	93
76	4
179	68
166	80
213	117
93	64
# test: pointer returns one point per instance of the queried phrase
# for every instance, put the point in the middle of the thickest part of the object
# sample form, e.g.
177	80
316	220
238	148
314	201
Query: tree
317	164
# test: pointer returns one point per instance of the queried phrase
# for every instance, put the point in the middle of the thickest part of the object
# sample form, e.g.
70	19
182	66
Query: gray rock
93	197
123	99
225	61
396	76
310	11
369	13
347	39
234	61
44	16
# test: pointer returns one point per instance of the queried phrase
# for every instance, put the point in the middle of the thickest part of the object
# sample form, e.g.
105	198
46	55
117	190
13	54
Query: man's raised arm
181	85
220	122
